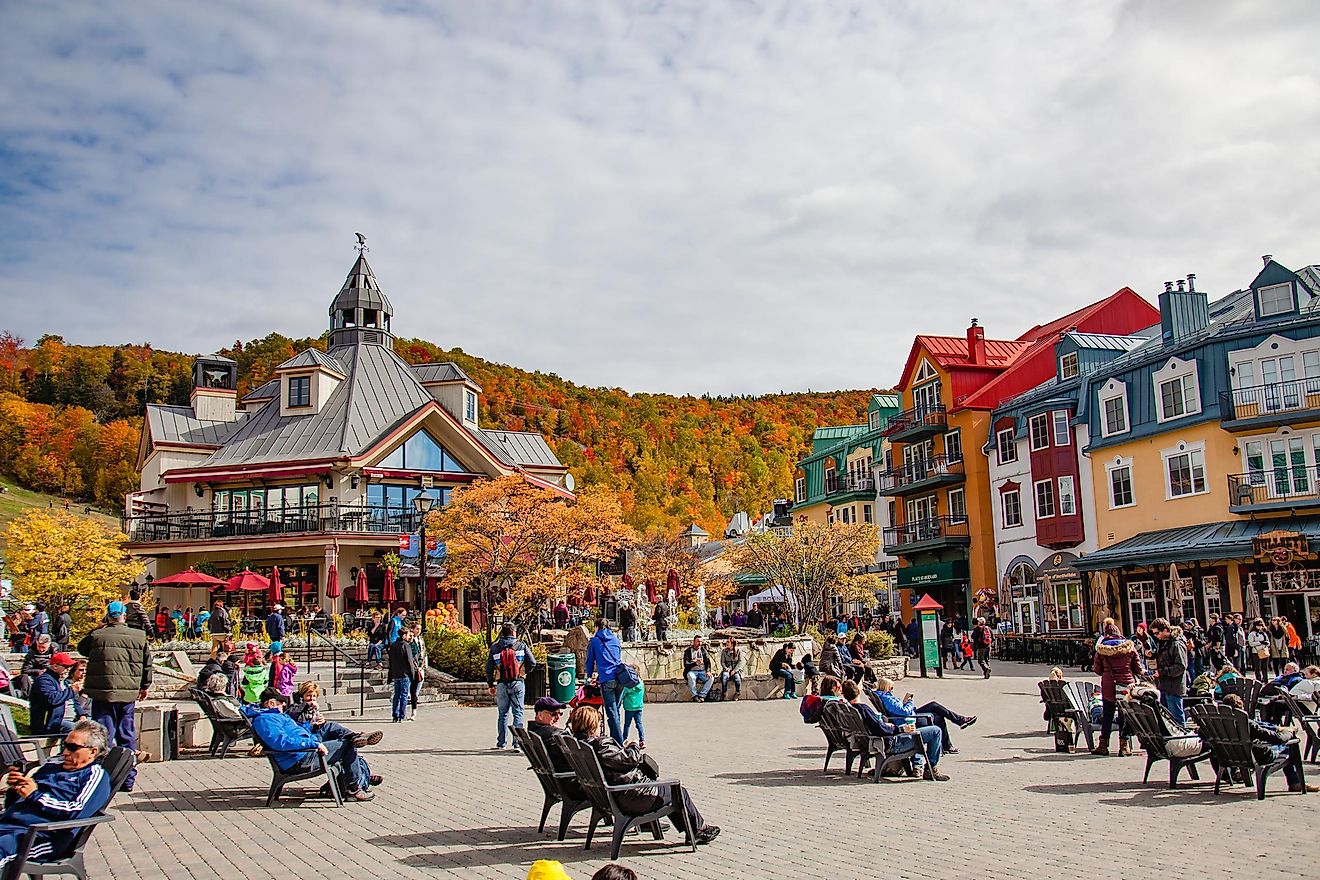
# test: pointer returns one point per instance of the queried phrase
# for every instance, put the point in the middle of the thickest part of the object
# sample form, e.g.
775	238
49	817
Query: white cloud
679	197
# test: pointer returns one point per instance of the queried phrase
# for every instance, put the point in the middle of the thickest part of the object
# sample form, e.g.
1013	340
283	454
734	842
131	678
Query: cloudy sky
709	196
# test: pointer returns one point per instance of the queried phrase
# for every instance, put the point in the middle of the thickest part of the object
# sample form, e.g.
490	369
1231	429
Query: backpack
987	638
626	677
510	667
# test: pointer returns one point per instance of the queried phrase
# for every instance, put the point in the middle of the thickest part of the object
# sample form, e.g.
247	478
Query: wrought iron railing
846	483
926	415
923	530
1256	401
303	519
1275	484
920	470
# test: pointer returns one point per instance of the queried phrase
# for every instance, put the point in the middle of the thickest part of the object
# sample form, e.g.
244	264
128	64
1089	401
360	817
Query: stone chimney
976	343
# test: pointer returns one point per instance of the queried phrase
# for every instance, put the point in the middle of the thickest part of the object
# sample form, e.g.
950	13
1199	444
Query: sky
714	196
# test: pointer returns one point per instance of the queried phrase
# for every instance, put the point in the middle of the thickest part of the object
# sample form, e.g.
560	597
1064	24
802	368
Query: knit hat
1112	631
547	869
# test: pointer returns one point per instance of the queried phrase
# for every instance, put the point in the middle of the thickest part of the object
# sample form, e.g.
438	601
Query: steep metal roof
694	531
887	401
379	392
312	358
446	371
1207	541
268	390
1105	342
361	291
522	447
177	424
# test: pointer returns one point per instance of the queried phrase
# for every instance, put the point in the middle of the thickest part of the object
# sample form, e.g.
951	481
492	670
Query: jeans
630	633
1174	703
790	685
942	716
329	731
983	658
697	677
610	692
415	691
509	695
930	744
120	722
399	703
1290	769
341	753
375	652
629	716
735	677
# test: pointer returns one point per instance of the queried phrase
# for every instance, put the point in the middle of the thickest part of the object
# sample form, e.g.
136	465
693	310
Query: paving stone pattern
452	807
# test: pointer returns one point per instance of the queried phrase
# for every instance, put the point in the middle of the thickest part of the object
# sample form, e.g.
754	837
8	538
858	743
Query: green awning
1206	542
952	572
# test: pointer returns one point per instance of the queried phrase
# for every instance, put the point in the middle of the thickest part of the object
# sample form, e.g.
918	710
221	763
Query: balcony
838	487
1275	489
926	534
1264	406
918	423
923	474
210	525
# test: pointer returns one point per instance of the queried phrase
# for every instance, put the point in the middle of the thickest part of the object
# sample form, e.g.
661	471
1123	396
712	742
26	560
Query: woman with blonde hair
626	765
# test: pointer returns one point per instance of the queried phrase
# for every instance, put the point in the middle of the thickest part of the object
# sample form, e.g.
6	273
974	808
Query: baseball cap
548	704
277	607
547	869
115	608
63	659
272	694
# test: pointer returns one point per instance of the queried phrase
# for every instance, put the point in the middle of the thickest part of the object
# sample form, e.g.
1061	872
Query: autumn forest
70	418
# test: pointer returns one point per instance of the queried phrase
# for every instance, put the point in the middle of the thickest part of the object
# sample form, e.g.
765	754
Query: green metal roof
1208	541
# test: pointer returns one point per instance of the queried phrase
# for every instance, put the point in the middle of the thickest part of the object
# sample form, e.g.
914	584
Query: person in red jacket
1118	667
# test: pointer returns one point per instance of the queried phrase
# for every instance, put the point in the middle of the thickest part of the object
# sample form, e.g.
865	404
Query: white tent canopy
772	595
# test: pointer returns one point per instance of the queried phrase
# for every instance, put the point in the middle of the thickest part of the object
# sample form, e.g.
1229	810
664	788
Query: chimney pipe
976	343
1266	259
1168	287
1180	285
1191	282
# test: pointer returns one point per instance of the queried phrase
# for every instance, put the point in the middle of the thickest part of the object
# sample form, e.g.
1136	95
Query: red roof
950	353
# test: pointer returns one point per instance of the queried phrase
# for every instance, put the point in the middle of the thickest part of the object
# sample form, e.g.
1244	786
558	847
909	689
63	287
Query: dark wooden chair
840	722
923	718
604	804
1143	722
1228	734
558	787
878	752
1248	689
1307	721
1061	705
12	745
299	773
116	763
224	731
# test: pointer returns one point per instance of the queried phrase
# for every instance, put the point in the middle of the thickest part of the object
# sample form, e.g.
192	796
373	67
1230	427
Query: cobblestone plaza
452	807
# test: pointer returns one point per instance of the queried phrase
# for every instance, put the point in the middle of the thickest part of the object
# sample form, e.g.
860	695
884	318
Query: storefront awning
951	572
1206	542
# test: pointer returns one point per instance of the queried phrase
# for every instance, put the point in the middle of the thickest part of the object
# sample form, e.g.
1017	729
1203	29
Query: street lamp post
424	505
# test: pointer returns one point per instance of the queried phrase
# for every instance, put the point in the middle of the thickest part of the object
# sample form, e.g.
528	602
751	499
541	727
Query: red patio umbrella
432	590
332	582
388	595
249	580
360	586
189	578
589	595
650	591
671	581
276	588
627	582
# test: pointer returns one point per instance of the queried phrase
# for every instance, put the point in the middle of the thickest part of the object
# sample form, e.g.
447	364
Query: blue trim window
300	391
469	406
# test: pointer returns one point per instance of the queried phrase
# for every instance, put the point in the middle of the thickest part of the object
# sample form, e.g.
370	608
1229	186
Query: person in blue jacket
894	708
604	653
396	624
73	786
275	629
926	758
294	744
52	699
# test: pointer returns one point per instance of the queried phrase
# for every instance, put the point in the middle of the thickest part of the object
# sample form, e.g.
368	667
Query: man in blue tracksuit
511	669
604	654
50	696
74	786
293	744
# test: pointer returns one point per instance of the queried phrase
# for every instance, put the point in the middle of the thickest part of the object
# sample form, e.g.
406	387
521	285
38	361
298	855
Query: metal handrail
1267	399
925	414
336	652
1274	483
849	482
927	530
921	469
358	517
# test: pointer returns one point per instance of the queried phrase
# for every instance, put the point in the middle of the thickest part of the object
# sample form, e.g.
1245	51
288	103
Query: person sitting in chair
623	765
927	755
51	705
73	786
306	709
1269	746
290	742
907	709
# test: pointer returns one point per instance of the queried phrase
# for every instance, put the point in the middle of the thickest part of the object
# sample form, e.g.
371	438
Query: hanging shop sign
1282	548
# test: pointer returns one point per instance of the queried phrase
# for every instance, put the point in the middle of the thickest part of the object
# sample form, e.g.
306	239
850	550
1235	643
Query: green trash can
563	676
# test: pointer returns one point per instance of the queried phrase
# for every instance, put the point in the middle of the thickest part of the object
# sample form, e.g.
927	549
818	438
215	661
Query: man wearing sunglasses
72	787
546	726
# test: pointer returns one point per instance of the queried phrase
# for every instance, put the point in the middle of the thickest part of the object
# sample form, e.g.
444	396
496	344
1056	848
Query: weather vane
362	243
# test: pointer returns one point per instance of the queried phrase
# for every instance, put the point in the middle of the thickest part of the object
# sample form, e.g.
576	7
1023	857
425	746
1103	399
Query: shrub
461	654
879	645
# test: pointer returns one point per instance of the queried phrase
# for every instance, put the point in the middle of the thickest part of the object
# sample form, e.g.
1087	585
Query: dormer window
1068	366
300	391
1277	299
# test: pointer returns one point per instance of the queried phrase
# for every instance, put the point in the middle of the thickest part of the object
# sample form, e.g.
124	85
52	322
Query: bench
116	763
1144	722
1228	734
604	805
558	787
224	731
1062	704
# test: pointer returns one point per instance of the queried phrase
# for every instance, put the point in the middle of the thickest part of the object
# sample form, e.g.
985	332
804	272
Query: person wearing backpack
982	638
507	666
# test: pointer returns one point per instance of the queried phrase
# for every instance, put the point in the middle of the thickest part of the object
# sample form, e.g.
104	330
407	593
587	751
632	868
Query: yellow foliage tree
57	557
517	543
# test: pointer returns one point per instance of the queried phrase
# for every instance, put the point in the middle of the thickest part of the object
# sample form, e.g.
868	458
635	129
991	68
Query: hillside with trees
70	417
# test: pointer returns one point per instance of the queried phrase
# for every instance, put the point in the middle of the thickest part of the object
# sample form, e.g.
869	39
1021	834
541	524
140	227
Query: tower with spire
360	313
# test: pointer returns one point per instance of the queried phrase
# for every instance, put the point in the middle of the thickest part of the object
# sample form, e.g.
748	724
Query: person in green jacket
118	675
256	677
632	701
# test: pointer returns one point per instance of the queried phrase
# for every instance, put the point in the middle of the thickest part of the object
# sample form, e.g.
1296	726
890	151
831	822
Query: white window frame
800	489
1043	421
1113	390
953	516
873	420
1036	499
1068	366
1192	451
1008	444
868	514
1120	464
470	405
953	451
1067	500
1185	373
1062	435
1285	287
1003	508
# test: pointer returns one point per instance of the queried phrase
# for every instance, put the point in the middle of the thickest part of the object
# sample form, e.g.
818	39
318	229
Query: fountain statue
701	607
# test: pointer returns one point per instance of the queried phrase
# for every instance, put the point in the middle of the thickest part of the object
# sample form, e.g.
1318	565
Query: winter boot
1124	746
1102	748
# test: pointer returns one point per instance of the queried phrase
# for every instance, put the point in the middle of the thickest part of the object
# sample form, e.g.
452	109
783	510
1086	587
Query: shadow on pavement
502	845
772	778
223	800
1022	734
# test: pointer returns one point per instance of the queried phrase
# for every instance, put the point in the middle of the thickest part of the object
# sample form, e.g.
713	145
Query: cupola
360	314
